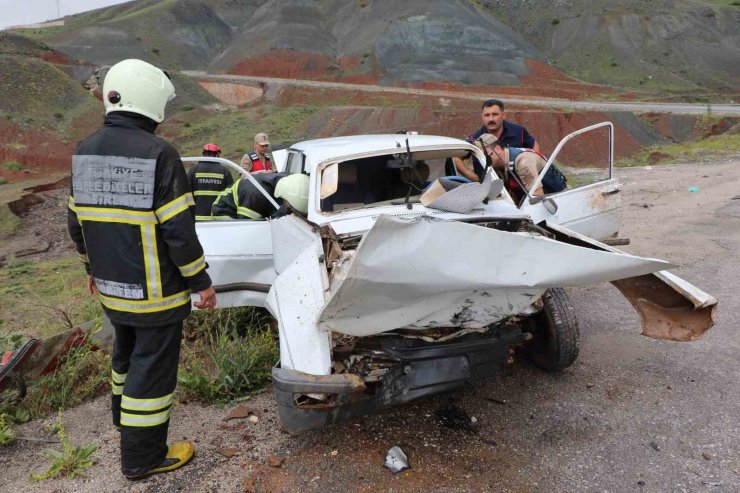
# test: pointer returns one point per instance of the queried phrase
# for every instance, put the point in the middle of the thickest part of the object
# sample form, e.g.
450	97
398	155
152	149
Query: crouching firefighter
130	217
243	200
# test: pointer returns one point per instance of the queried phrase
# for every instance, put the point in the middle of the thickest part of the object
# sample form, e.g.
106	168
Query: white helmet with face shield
138	87
294	190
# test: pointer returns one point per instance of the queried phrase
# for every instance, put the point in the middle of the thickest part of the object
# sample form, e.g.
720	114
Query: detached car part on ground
381	300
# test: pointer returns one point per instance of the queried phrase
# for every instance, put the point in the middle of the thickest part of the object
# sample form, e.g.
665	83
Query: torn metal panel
411	273
670	308
296	297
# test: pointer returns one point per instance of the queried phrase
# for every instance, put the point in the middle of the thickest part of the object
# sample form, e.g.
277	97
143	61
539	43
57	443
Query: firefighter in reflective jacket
131	219
208	179
244	201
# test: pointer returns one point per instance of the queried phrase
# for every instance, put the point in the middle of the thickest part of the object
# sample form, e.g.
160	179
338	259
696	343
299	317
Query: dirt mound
236	94
38	93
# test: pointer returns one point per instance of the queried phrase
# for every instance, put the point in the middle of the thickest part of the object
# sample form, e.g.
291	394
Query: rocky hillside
661	45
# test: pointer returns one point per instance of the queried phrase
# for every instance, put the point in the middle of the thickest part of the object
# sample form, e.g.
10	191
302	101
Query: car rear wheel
556	336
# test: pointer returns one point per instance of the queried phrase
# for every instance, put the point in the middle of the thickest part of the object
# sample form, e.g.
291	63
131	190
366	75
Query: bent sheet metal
428	272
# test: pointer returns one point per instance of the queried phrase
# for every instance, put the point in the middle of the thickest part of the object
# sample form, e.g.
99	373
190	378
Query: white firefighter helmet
139	87
294	189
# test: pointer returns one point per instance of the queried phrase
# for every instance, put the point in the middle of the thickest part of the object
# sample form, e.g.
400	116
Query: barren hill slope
390	42
660	44
379	40
663	45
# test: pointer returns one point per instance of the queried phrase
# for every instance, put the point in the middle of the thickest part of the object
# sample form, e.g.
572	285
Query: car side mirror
550	205
329	181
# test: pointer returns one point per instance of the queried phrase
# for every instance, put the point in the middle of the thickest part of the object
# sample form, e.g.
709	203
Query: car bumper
422	369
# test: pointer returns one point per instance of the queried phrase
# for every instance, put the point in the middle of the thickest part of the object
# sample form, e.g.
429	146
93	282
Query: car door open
591	209
238	252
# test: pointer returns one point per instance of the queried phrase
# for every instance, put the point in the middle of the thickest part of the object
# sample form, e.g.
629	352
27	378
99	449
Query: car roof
319	150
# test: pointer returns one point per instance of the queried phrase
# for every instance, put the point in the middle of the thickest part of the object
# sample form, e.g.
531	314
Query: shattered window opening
385	179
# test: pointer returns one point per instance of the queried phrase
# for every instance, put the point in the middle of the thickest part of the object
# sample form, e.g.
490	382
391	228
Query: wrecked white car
381	299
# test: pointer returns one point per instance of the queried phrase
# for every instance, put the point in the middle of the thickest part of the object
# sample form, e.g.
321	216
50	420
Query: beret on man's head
487	139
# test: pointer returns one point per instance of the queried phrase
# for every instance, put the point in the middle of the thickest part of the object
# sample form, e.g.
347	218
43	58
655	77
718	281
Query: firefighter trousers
143	378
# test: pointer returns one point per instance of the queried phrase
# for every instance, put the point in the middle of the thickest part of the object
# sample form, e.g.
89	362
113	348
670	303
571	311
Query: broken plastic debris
396	460
693	189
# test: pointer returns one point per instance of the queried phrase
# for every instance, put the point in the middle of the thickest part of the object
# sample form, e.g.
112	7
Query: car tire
556	336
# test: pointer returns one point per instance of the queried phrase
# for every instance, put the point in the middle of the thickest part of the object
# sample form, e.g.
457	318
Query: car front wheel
556	336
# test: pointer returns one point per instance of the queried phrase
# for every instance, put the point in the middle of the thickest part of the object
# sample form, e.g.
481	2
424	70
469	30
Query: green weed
10	414
7	433
71	461
231	358
3	181
80	373
13	166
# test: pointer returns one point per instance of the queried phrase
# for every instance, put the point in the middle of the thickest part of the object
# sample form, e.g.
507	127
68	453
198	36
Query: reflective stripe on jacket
243	201
207	179
130	213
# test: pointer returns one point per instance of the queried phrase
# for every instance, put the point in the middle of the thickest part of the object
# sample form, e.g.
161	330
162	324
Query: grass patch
232	131
80	373
231	357
7	433
710	148
44	298
71	461
13	166
9	222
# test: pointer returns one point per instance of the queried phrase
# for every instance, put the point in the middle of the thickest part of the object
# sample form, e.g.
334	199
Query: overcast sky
14	12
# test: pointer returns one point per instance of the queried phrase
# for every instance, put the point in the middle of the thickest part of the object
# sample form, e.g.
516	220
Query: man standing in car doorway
508	134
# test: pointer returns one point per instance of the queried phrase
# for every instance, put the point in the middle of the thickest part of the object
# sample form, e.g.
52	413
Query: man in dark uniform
244	201
507	134
208	179
130	217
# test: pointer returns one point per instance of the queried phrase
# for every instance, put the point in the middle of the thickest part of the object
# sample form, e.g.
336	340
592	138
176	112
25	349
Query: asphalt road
632	414
637	107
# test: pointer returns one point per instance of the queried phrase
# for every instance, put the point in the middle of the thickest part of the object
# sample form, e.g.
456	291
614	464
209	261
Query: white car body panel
408	274
297	296
408	271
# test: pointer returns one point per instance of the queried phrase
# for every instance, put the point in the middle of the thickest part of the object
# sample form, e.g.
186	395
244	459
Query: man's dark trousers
144	376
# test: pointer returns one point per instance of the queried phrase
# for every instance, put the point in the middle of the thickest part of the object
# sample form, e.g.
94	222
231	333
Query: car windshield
386	179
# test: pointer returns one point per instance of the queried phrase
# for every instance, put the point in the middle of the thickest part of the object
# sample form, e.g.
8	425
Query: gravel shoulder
632	414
